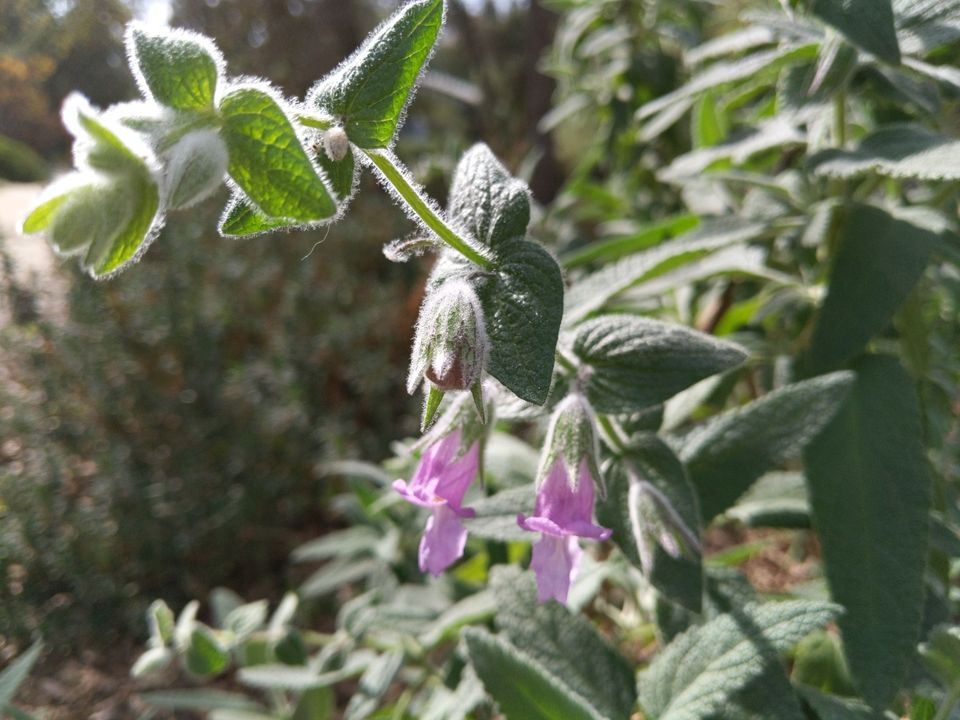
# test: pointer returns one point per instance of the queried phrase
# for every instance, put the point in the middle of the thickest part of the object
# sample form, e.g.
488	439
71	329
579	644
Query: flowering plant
637	451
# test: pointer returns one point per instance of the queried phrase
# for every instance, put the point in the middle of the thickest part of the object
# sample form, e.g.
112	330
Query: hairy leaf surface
870	494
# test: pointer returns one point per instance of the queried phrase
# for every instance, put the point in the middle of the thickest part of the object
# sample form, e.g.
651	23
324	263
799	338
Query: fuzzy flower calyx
450	346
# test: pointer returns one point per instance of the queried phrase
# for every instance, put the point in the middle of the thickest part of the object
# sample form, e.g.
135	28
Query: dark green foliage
870	491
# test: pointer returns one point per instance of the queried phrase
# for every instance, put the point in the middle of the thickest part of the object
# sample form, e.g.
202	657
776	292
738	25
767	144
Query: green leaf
831	707
337	573
43	214
725	455
101	144
109	254
176	68
205	656
614	248
522	300
752	67
241	218
819	663
298	679
246	619
697	674
564	644
870	494
373	684
777	499
152	661
522	689
710	124
342	174
351	542
267	160
926	26
16	672
868	24
922	708
198	699
472	609
92	213
899	151
878	262
679	579
769	135
195	167
631	362
369	93
496	516
162	623
941	655
591	292
486	200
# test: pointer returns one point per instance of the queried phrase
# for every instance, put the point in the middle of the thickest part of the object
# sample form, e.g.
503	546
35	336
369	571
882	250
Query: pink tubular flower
564	508
439	483
562	514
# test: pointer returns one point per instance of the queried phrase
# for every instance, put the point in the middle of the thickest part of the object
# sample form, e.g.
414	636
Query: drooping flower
563	512
448	465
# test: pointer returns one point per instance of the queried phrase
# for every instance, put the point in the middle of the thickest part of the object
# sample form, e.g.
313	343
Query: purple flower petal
443	541
442	477
555	560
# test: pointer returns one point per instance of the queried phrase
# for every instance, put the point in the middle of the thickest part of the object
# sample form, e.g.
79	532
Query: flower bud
450	346
656	522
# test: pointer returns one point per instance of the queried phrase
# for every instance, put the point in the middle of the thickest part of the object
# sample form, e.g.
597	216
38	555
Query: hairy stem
389	166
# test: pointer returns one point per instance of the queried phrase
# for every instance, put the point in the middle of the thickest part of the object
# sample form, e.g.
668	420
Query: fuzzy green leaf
175	68
879	260
198	699
899	151
831	707
486	200
370	91
496	516
15	673
698	673
725	455
564	644
205	656
522	300
870	493
590	293
866	23
342	174
107	255
522	689
374	682
633	362
267	160
241	218
42	215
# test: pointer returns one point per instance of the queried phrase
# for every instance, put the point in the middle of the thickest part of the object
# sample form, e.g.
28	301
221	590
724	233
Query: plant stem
387	163
948	703
840	118
612	433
